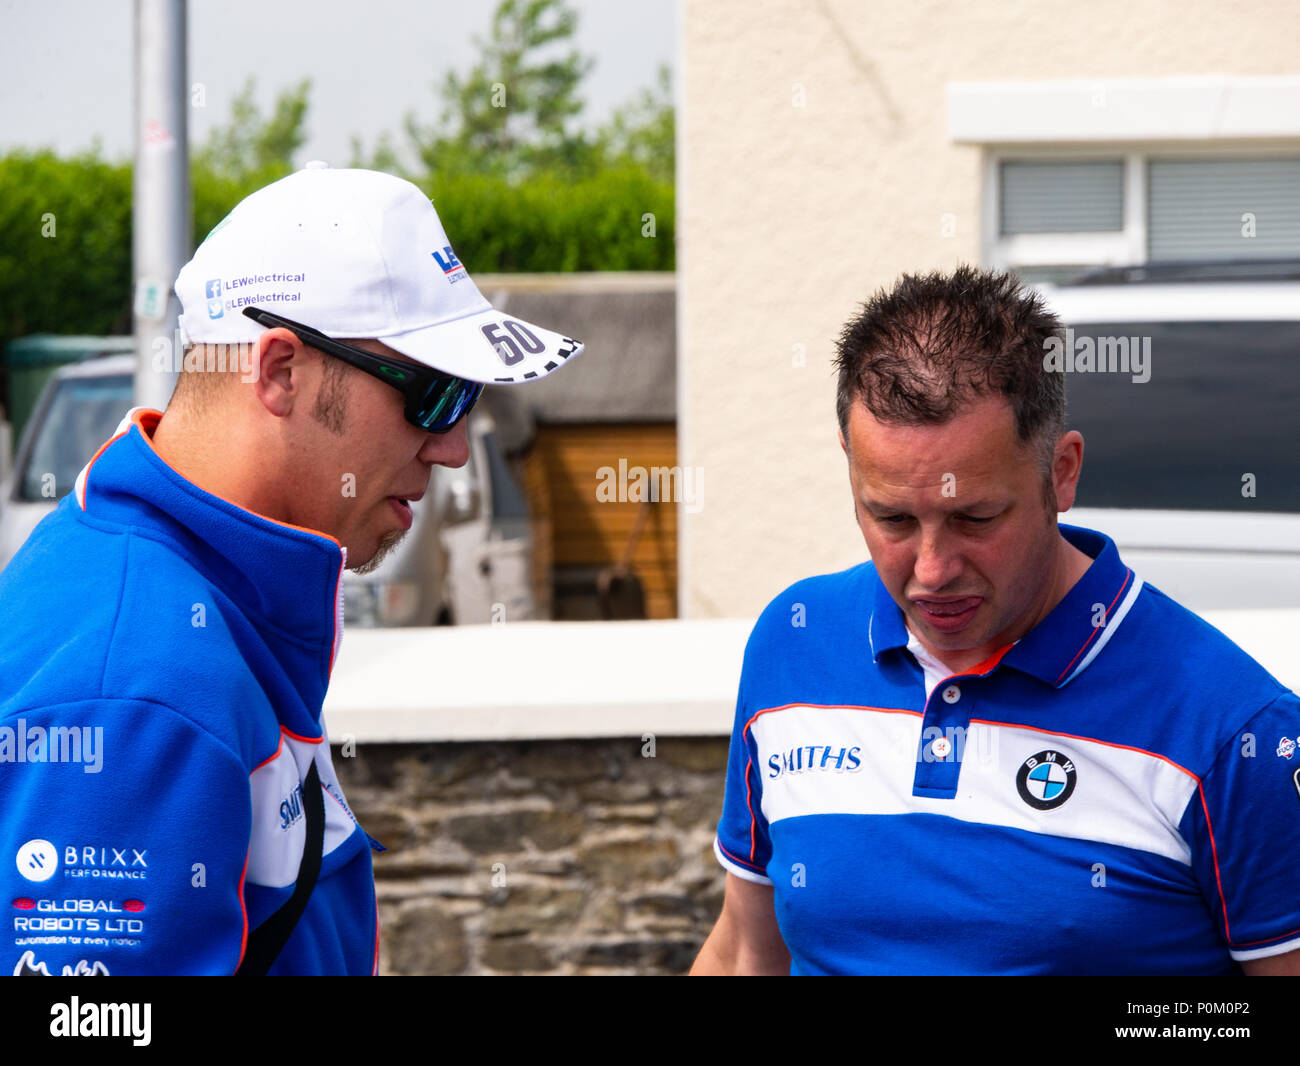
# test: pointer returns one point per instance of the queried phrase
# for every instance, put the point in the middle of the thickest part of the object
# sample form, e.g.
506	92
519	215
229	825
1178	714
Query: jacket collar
286	578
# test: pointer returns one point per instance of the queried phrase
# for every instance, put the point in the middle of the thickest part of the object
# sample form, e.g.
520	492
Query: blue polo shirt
1116	793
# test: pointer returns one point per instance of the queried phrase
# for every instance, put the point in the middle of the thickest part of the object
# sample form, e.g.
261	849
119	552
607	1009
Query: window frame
1128	246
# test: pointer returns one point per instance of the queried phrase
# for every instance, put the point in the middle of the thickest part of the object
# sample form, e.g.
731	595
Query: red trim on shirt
1090	740
1281	936
737	859
243	909
1128	575
749	805
832	707
979	668
279	747
272	757
81	498
992	661
1214	851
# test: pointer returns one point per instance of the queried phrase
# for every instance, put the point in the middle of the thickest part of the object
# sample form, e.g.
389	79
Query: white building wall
817	162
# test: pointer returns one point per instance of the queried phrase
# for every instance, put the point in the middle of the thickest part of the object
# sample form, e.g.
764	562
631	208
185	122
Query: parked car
469	547
77	411
1192	453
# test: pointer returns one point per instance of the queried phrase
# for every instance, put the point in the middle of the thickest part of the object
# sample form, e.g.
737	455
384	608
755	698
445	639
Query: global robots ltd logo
1046	780
37	860
212	290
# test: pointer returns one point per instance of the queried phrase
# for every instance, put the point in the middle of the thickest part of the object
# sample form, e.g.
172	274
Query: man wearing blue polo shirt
993	749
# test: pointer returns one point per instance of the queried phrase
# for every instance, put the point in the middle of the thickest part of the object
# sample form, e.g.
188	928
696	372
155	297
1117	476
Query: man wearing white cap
171	628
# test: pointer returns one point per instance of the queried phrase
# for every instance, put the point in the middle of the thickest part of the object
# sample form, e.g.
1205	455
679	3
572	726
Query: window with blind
1056	218
1223	208
1085	197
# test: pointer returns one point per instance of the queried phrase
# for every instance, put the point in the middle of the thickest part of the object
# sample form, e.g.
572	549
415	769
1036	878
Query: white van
1185	384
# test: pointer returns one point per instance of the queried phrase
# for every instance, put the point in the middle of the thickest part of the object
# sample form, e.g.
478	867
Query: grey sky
68	63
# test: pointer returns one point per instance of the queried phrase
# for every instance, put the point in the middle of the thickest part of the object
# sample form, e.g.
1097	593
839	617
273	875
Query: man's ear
281	358
844	447
1067	465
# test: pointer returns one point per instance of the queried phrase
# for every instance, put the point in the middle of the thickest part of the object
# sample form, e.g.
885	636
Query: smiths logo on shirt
815	758
291	807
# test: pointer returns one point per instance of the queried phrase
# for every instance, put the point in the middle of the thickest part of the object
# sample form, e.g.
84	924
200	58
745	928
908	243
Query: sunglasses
435	401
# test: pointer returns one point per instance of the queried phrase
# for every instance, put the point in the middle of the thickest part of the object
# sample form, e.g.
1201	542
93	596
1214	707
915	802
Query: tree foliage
519	187
253	149
514	113
643	133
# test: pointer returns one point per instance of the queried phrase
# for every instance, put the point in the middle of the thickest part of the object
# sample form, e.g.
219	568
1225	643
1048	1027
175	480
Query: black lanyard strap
267	941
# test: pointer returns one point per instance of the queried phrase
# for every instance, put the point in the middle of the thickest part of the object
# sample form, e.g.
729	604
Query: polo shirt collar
1064	643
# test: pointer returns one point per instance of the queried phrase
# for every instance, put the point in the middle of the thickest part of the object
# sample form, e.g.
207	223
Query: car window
82	414
1220	404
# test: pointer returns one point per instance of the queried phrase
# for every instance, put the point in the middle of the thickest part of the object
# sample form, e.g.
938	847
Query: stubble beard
387	543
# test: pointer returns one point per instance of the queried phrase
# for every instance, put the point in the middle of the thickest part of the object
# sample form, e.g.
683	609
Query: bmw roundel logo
1046	780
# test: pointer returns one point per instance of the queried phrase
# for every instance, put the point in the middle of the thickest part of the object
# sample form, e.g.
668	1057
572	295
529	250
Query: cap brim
489	346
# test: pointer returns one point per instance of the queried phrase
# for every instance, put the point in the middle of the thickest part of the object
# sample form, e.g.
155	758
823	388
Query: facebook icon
212	289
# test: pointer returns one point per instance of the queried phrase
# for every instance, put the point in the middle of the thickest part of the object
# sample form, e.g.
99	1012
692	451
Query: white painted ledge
557	680
537	680
1123	109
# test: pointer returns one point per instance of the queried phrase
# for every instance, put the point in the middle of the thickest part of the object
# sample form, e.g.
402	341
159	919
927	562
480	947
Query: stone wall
542	857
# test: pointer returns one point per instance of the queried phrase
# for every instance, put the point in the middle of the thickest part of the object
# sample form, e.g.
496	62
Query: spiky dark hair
918	353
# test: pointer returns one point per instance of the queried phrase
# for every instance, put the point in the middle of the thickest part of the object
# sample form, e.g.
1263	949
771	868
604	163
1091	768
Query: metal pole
161	229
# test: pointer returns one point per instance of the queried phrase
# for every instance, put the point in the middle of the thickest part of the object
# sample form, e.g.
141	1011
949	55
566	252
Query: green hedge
552	224
79	279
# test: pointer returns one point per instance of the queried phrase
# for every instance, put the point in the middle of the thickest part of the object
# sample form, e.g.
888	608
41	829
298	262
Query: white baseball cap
357	253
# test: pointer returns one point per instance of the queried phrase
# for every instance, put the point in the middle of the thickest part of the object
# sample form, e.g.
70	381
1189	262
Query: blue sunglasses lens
446	403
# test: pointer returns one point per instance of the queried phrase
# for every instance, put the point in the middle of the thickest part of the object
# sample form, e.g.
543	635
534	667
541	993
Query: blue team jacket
164	655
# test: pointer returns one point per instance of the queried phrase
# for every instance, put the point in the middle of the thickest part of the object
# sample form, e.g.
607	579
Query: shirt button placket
943	730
